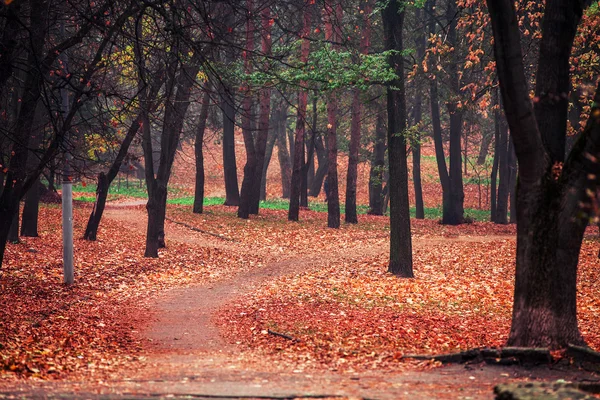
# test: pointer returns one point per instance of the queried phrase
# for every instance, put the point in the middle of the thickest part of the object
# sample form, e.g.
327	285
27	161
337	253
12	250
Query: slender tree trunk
333	20
306	166
285	164
251	165
322	167
504	173
494	174
296	183
454	213
400	239
232	194
268	155
376	178
418	115
484	149
355	127
512	165
199	154
147	99
265	111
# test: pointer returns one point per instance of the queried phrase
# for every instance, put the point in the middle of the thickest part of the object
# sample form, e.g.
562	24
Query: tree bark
322	167
355	127
400	239
296	182
333	20
454	213
250	167
232	194
264	113
376	175
283	155
548	236
504	175
198	206
268	156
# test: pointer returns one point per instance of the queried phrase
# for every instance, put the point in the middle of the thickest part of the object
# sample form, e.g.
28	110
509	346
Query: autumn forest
287	199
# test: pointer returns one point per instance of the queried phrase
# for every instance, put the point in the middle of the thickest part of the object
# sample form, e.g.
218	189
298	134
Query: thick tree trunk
298	152
400	239
102	186
199	155
29	225
548	236
376	178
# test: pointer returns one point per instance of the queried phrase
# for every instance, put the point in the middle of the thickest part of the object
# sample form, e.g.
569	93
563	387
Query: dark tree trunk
484	149
310	158
199	155
494	174
29	226
418	115
376	195
232	194
400	240
317	182
264	113
512	164
549	236
177	100
13	234
285	164
355	130
248	182
504	175
268	155
91	229
333	20
298	151
454	213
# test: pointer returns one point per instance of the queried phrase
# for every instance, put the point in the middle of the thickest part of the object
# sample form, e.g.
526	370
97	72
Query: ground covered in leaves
342	312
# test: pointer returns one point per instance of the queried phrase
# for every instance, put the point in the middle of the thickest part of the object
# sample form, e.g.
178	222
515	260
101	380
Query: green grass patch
470	213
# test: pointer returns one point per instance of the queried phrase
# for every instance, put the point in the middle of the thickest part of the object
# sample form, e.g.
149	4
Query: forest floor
263	308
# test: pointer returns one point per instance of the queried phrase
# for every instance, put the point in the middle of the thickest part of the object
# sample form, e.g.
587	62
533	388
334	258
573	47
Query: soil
186	355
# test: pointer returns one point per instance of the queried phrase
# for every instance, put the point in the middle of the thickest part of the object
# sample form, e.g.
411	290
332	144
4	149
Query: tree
400	239
549	234
351	177
296	180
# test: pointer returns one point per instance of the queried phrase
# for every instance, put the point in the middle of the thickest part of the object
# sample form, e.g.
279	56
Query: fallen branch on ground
193	228
282	335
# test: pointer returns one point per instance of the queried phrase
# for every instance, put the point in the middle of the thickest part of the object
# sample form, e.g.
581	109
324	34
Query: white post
67	190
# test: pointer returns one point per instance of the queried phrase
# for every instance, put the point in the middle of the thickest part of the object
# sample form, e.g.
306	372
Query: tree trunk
400	239
333	20
484	149
355	127
317	182
232	194
310	158
512	164
13	234
548	236
251	165
268	155
296	182
504	174
418	115
265	111
494	174
454	213
376	195
285	164
199	154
